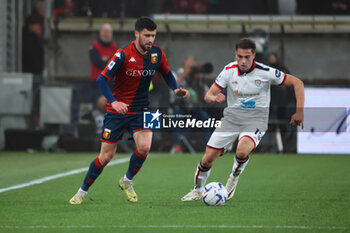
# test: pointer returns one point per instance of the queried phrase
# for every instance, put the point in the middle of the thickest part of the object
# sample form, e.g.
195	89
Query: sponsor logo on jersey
132	59
151	120
257	82
111	65
235	82
277	73
154	57
247	104
138	73
107	133
245	95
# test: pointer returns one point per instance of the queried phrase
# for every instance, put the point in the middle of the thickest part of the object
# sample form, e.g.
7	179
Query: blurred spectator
259	36
186	6
186	70
100	52
32	46
221	7
190	76
106	8
123	8
98	113
38	13
274	62
82	8
158	94
324	7
341	7
63	8
243	7
282	107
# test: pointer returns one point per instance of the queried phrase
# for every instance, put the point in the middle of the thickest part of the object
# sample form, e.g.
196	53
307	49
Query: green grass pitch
276	193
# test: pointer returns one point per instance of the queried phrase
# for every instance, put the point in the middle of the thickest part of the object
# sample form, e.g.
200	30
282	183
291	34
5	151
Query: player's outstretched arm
182	92
214	95
298	85
171	81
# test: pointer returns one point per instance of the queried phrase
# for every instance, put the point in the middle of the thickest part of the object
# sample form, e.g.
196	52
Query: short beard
142	46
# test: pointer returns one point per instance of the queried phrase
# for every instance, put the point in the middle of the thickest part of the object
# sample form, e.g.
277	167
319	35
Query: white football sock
200	177
239	166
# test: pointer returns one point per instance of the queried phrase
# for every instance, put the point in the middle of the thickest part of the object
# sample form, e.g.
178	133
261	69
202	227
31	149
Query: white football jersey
250	91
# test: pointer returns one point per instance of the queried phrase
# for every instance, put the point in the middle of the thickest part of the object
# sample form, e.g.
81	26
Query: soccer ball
214	194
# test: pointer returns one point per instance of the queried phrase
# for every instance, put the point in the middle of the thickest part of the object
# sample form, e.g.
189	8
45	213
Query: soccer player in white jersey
245	118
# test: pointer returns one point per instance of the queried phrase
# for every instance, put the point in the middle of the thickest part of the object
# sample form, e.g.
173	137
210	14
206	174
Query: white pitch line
176	227
59	175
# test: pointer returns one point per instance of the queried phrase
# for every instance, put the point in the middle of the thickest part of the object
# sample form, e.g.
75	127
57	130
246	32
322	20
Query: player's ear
253	55
136	34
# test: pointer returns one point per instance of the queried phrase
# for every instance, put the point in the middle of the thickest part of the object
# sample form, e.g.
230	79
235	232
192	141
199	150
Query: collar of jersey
133	43
250	70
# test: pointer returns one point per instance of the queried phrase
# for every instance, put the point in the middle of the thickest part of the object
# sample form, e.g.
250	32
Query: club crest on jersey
277	73
257	82
107	133
154	57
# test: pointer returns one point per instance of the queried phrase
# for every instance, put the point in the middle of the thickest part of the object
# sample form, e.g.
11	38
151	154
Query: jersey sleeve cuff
284	79
104	75
220	87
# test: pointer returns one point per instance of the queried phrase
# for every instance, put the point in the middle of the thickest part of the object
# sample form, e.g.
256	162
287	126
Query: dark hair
145	22
246	43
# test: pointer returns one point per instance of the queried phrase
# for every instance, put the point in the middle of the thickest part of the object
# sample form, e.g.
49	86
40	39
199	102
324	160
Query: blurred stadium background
47	98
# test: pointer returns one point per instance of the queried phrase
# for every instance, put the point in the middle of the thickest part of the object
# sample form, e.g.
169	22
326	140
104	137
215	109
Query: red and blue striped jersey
132	73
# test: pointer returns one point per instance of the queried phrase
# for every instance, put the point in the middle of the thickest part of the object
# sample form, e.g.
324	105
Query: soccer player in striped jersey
132	69
245	118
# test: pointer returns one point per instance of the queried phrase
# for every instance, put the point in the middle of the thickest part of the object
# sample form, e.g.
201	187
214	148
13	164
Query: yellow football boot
128	188
78	198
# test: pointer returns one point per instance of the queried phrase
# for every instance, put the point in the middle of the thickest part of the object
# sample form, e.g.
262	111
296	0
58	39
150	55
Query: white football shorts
223	137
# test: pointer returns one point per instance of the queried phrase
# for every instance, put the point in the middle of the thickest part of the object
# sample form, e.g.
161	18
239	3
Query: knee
240	153
207	162
105	158
143	149
210	156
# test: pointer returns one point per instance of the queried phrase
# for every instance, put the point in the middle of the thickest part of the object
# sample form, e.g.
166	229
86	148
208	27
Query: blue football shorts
115	124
